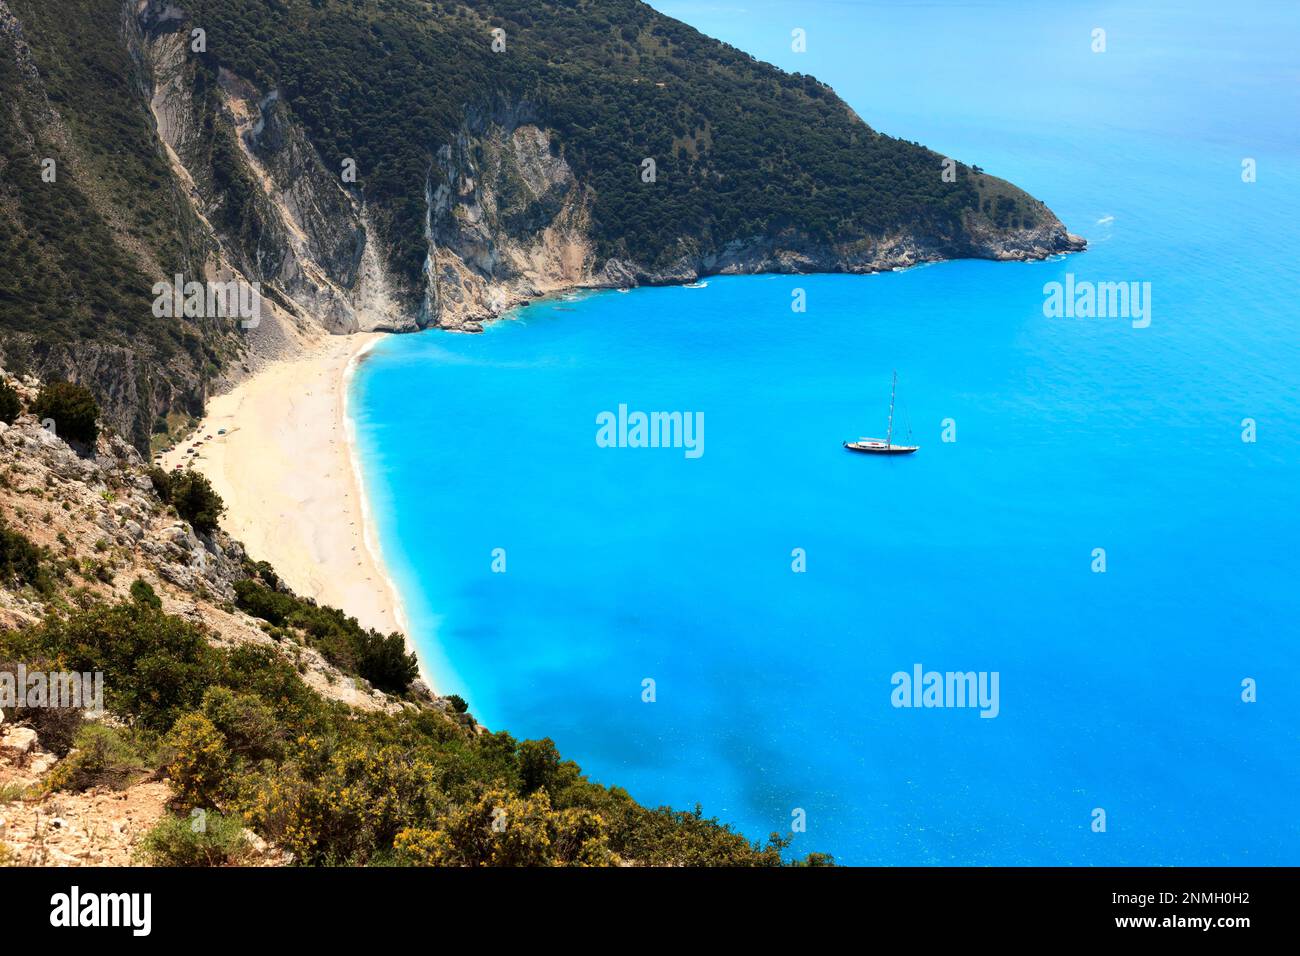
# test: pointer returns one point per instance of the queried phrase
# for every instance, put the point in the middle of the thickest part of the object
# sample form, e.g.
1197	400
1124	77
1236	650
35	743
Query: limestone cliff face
273	213
506	218
507	221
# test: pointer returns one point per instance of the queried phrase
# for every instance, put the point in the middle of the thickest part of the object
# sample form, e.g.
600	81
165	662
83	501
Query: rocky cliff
386	170
100	524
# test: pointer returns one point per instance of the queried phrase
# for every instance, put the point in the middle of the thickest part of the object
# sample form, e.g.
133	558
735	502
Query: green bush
383	660
162	483
11	405
504	830
539	765
200	764
205	839
73	408
143	593
191	494
104	757
195	500
23	563
156	666
273	606
246	723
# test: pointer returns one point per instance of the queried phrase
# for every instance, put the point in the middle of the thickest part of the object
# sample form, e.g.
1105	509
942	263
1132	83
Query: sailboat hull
880	448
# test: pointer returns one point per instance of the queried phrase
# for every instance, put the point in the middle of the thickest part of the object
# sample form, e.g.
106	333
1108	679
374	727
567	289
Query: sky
917	69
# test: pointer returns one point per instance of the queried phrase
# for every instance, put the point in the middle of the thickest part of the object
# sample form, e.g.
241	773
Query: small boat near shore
696	285
876	446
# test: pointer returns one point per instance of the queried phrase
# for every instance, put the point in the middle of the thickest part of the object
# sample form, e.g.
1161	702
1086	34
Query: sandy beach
285	469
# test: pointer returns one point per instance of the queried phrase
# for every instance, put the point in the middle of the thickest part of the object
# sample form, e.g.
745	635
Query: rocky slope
101	519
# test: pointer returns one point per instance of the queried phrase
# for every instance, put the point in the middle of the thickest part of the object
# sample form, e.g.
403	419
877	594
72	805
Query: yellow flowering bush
200	765
504	830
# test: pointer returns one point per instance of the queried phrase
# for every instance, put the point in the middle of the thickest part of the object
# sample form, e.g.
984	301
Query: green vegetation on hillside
380	659
23	564
242	737
192	495
72	408
11	406
742	148
91	216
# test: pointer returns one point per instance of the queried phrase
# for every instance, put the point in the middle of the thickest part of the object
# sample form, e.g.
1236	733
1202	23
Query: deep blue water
1119	690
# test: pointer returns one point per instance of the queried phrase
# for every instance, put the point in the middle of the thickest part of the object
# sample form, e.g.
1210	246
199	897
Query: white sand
285	468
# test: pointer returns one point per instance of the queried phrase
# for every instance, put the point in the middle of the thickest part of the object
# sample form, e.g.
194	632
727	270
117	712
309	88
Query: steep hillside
394	164
228	695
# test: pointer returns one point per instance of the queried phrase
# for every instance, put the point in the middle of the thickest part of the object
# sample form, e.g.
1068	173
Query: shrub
155	666
263	672
162	483
73	409
263	570
539	766
11	405
23	563
104	757
56	726
143	593
195	500
344	803
504	830
273	606
248	726
209	839
200	762
384	661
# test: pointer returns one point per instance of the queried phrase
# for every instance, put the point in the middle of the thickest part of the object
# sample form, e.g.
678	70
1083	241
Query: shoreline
289	472
369	530
515	302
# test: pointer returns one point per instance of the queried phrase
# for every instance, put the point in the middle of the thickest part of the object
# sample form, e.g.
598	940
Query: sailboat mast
889	435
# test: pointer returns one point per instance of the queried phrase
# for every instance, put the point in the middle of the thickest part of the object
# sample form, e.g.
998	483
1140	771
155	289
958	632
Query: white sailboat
874	446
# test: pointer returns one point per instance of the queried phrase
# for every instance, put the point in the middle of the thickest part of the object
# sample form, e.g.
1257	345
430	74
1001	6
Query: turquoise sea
1119	690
